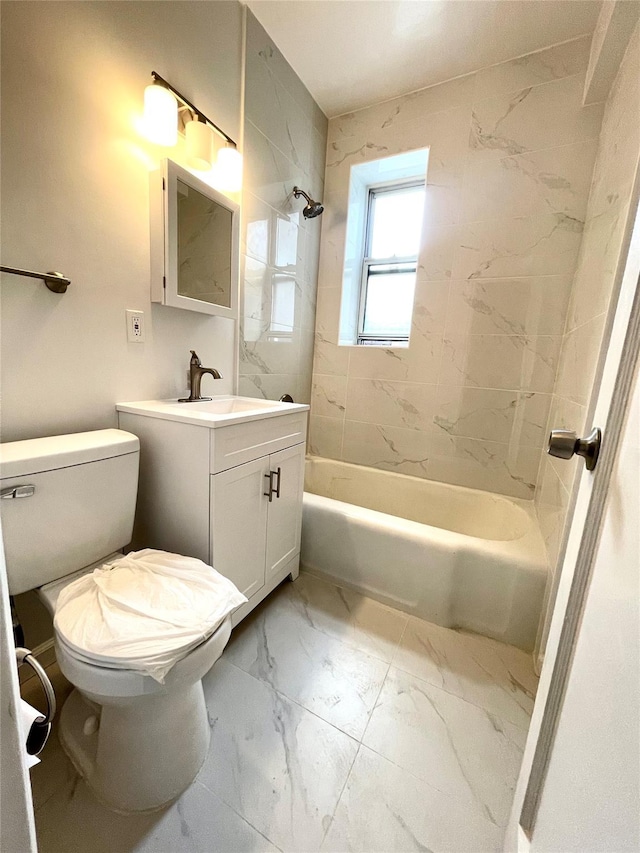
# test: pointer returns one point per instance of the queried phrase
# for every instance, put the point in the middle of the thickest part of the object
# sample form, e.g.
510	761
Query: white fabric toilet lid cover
144	611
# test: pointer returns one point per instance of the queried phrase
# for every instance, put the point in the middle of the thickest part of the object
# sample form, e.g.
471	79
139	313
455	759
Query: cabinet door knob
279	473
269	494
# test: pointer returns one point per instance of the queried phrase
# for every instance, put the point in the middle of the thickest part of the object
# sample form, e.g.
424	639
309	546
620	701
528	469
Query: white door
579	785
283	530
17	829
239	524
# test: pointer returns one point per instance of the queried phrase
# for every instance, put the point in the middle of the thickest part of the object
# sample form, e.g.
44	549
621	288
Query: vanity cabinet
256	518
230	495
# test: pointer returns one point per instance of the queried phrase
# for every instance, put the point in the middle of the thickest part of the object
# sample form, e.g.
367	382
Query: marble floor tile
489	674
272	761
348	616
54	773
454	746
73	821
277	645
442	716
383	808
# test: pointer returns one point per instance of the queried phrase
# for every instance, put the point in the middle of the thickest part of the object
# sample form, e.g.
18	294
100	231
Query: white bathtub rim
455	487
528	549
527	504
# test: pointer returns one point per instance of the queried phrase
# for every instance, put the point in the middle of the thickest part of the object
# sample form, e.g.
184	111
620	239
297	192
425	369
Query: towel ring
25	656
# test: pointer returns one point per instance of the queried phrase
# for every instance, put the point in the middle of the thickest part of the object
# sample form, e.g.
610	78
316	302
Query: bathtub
458	557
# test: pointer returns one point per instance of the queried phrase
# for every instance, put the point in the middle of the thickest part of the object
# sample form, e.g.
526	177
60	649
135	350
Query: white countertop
220	411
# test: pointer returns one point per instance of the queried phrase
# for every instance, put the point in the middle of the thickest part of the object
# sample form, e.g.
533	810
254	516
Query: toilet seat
106	662
98	682
141	613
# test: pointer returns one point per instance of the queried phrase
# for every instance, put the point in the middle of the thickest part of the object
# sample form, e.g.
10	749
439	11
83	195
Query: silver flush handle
564	443
17	492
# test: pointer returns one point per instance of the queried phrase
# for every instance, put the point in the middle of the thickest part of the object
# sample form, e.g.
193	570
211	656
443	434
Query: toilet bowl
137	742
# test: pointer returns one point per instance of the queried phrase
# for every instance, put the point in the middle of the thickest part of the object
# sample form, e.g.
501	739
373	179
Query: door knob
564	444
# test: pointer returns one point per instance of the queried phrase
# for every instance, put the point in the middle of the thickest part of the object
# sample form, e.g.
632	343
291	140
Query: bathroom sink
219	411
229	405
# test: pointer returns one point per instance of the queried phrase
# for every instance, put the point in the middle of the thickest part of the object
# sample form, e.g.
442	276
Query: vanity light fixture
198	129
229	169
160	115
199	138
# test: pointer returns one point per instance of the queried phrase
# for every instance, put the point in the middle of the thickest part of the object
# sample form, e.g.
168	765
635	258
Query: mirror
204	247
199	246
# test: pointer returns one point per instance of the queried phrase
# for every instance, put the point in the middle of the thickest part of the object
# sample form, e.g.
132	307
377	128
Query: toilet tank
67	501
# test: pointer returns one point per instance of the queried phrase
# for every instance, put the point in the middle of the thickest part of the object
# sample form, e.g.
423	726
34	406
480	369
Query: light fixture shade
229	169
160	115
199	145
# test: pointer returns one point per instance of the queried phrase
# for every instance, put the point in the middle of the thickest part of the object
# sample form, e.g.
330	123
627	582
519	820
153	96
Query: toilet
68	506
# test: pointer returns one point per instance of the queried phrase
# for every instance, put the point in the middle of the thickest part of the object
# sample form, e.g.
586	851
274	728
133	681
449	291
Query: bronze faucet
197	371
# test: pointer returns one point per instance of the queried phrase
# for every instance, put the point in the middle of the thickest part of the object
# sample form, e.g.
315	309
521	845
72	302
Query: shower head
312	208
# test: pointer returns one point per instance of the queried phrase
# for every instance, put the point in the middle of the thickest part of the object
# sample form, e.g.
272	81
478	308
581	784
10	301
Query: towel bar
55	281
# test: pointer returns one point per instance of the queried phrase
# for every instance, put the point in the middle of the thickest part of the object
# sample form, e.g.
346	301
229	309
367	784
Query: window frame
363	338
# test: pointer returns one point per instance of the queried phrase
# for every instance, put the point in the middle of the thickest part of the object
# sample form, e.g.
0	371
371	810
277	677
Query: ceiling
353	53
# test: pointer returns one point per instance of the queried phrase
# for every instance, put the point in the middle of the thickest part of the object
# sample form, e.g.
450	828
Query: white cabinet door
283	529
239	524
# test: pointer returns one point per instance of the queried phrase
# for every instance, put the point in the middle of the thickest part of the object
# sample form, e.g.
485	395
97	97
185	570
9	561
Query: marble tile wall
511	158
284	146
608	213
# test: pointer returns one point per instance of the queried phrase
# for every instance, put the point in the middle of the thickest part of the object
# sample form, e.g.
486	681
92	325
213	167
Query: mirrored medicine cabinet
194	243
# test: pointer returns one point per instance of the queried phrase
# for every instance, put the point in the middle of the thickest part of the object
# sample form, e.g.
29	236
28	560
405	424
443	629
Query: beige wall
285	141
511	157
75	198
591	304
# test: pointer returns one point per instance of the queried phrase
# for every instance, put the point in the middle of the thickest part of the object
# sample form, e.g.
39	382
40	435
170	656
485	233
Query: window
382	243
392	241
